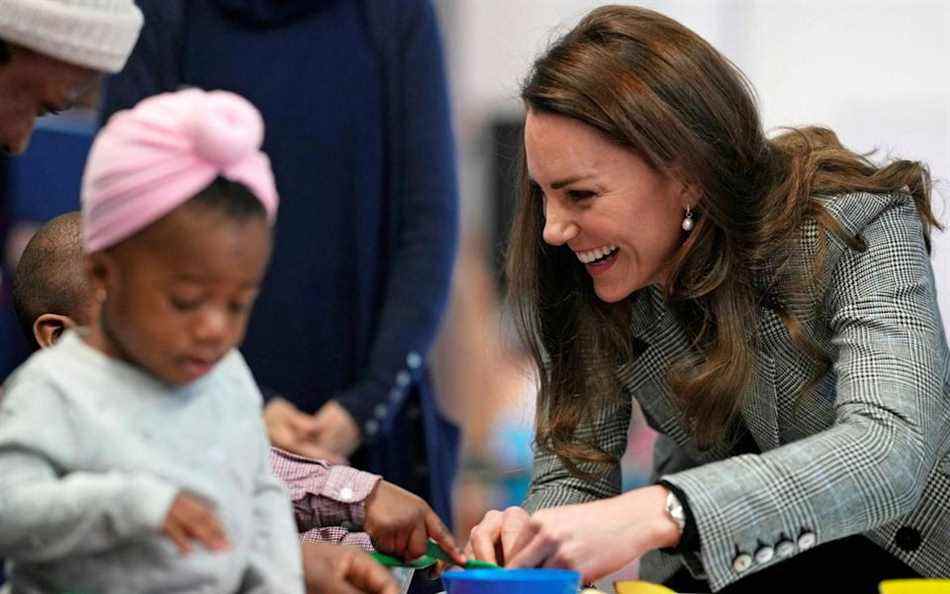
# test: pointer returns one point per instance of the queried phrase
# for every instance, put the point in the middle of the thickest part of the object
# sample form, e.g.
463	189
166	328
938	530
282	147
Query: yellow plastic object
916	586
638	587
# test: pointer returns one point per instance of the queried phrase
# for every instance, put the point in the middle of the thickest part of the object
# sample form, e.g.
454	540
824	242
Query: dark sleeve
421	268
155	64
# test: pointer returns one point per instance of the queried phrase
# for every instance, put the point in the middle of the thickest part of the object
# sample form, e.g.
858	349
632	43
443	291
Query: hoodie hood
268	13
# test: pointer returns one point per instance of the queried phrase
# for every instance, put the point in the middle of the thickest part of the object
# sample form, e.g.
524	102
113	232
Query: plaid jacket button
764	554
907	539
785	548
742	562
806	541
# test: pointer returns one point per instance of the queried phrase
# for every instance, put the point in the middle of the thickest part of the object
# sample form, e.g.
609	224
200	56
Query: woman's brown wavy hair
653	85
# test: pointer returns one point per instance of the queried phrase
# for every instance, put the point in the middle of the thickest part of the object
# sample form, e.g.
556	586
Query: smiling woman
768	302
592	188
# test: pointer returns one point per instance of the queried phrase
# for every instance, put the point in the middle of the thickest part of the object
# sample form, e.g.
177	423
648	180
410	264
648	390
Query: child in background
50	291
126	445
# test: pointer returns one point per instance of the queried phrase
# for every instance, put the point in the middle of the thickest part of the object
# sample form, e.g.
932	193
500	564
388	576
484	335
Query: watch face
675	509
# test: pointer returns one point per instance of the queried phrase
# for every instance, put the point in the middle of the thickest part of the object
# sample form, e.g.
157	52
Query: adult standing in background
51	51
358	129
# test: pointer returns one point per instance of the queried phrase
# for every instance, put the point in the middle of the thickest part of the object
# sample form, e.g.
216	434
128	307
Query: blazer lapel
644	378
759	407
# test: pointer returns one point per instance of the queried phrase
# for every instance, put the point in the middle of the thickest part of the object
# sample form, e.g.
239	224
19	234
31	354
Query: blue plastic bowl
512	581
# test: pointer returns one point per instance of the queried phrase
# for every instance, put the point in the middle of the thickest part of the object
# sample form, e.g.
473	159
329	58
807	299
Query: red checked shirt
329	501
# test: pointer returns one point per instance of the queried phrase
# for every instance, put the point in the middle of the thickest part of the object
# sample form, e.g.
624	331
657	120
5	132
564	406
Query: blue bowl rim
513	575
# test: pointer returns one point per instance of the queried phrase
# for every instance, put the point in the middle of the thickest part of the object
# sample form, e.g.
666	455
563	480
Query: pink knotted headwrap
151	159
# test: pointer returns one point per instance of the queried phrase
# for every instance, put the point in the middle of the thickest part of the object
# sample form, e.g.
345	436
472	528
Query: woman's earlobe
687	224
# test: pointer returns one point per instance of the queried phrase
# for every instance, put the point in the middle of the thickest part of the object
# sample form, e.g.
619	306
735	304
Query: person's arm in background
331	502
323	495
155	64
421	269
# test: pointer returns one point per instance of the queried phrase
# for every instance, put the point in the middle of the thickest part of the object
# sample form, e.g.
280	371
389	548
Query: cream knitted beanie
97	34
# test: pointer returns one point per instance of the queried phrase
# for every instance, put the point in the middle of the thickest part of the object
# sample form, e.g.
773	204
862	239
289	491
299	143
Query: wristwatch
674	509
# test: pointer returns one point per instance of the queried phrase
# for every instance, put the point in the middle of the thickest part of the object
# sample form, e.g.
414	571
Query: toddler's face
180	293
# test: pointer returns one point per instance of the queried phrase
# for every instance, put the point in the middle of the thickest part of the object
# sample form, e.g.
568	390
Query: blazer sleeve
552	484
871	465
420	272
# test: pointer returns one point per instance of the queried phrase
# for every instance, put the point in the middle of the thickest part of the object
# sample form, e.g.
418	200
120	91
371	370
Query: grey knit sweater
92	454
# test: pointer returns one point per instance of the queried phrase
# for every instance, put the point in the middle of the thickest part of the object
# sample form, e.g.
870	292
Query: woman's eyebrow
568	181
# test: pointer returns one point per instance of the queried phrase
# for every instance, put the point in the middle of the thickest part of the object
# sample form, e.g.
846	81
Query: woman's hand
336	432
597	538
291	429
493	538
594	538
400	524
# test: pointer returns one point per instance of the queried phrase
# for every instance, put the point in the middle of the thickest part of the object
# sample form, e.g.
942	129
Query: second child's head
178	206
50	290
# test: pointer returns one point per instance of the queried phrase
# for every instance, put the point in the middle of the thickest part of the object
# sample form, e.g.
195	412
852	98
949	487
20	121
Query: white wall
875	71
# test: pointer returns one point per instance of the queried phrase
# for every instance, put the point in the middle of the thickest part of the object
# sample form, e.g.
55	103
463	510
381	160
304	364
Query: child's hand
191	519
337	569
400	523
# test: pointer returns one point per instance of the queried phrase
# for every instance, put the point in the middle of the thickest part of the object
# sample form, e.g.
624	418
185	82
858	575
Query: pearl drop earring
688	221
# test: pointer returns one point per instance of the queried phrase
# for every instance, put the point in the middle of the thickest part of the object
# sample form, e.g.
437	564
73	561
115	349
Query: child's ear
49	327
100	271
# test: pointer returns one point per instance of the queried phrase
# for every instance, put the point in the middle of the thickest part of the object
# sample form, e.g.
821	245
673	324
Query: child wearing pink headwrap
133	454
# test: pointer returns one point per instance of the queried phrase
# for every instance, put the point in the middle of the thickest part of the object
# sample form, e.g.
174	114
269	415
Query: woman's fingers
534	547
495	538
485	535
306	426
513	522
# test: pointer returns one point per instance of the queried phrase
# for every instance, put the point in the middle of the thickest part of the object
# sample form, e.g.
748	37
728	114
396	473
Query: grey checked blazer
868	454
